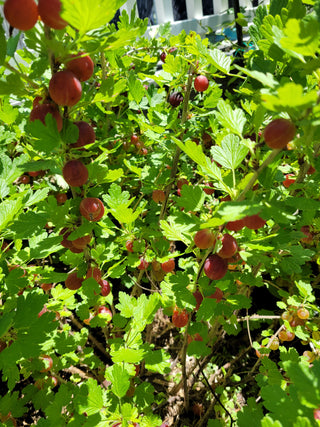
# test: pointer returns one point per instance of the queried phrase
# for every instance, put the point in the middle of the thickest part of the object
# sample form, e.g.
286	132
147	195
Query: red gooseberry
279	132
91	208
201	83
49	11
215	267
21	14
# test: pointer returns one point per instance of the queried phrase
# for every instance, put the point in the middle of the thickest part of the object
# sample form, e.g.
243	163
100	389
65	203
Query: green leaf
306	380
158	361
251	413
266	79
8	210
47	138
126	305
127	355
269	422
289	96
231	118
12	84
191	199
119	378
118	202
8	114
305	289
37	196
231	153
173	231
136	88
89	399
28	224
301	36
220	60
6	322
81	15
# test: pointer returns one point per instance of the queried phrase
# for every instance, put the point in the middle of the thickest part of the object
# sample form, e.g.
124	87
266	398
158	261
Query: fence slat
164	11
220	6
246	3
194	9
128	6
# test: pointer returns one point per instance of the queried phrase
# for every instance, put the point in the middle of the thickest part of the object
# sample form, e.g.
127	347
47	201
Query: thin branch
23	76
184	366
215	396
256	173
176	157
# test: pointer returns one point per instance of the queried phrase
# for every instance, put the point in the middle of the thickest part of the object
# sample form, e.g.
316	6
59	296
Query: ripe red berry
49	11
21	14
106	312
168	266
81	242
40	111
75	173
81	66
254	222
105	288
65	89
279	133
180	318
306	231
158	196
316	414
229	246
129	245
36	173
201	83
236	225
91	208
46	286
311	170
288	181
175	99
204	239
143	264
24	179
217	295
61	198
199	298
94	273
134	139
163	56
47	361
86	134
65	232
215	267
73	282
209	191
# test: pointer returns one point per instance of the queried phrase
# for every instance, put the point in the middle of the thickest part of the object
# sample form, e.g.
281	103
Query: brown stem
94	341
184	367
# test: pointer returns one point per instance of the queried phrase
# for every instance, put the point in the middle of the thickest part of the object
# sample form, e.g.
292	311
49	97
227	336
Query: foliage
117	357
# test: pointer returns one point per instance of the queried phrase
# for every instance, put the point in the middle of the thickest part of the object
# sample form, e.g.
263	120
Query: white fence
197	19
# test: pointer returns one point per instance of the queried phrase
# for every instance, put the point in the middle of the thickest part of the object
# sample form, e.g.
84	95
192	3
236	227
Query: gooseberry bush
159	220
